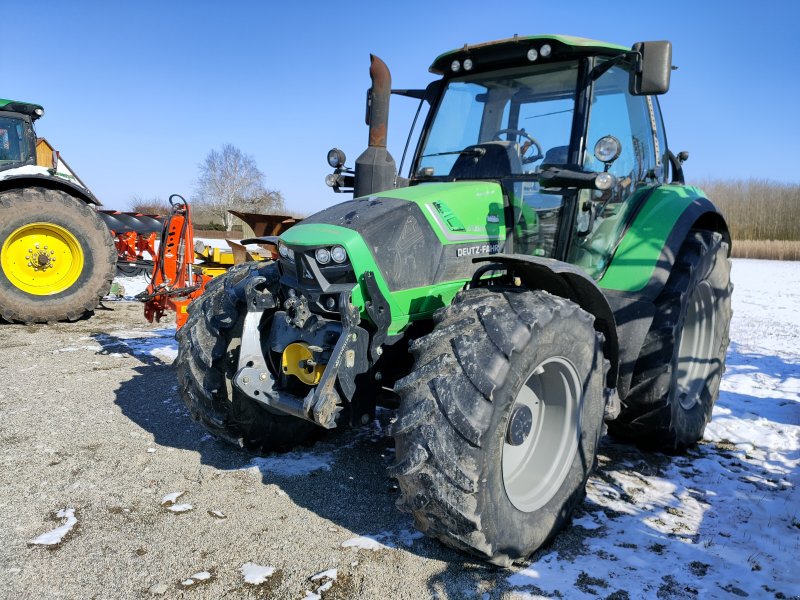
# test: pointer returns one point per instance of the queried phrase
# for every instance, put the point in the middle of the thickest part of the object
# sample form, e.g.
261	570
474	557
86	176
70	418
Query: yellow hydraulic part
42	259
295	361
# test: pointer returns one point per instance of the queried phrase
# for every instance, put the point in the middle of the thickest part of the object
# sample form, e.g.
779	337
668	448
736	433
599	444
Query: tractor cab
569	128
17	138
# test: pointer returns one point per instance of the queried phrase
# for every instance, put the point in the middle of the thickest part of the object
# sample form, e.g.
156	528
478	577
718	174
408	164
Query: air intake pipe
376	170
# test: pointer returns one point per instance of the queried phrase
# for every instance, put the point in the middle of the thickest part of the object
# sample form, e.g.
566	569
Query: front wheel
208	357
499	421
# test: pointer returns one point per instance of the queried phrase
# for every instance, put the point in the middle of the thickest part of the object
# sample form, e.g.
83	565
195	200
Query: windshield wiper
465	151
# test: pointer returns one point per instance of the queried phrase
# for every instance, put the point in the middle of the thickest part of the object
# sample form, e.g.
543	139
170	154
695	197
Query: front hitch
323	403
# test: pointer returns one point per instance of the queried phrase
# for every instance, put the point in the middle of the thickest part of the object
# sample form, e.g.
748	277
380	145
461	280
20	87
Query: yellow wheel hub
42	259
298	360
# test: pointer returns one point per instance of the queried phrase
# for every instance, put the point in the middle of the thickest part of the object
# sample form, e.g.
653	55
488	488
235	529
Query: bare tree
230	180
151	206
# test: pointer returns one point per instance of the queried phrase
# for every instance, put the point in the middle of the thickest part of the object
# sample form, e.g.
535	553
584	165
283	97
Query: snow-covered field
122	496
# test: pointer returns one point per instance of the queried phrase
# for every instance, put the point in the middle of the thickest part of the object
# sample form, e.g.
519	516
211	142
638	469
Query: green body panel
467	213
459	212
635	259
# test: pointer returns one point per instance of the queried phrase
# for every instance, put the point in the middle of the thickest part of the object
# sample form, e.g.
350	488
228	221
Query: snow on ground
726	516
54	537
152	343
256	574
721	521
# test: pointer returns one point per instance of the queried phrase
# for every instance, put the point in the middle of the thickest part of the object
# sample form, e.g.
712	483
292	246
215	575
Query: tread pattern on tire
206	361
647	411
83	301
451	390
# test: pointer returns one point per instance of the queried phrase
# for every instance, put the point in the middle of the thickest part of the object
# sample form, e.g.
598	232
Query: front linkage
349	356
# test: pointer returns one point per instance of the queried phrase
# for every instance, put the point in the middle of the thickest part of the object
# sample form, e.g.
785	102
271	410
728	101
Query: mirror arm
600	70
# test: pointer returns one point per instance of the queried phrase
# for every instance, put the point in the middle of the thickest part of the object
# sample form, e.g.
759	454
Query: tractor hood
410	238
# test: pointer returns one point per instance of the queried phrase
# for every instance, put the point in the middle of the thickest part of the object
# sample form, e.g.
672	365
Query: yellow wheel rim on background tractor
42	259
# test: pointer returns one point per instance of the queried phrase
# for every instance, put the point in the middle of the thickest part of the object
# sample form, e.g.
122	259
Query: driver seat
499	160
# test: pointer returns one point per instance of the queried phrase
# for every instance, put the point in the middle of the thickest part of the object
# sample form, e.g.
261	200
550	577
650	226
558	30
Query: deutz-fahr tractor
57	257
540	271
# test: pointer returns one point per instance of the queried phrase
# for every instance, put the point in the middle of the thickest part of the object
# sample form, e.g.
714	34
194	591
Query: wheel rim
696	351
42	259
536	463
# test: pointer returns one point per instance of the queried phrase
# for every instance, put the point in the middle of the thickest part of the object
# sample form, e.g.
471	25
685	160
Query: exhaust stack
376	170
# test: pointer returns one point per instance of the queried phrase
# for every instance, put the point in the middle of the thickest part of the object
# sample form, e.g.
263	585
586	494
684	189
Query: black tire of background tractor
455	408
655	414
20	207
207	361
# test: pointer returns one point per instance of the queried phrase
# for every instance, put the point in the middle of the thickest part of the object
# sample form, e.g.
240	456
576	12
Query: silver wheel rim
696	352
535	469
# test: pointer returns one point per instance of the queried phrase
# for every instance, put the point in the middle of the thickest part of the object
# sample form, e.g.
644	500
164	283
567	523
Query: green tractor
541	271
57	258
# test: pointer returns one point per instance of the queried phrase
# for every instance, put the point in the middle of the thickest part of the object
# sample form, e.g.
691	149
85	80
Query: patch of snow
51	538
293	464
151	450
329	574
171	498
198	577
152	343
132	285
180	508
365	542
217	514
256	574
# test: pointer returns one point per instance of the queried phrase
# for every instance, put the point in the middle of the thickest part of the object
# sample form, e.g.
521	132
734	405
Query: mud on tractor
540	271
56	256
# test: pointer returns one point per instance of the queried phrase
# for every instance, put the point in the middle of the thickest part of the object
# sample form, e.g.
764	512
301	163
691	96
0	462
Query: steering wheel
530	143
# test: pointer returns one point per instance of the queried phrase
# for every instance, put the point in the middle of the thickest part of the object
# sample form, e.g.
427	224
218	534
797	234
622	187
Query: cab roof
514	52
26	108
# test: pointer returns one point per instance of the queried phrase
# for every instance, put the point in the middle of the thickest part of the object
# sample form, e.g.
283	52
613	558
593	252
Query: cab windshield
17	144
529	110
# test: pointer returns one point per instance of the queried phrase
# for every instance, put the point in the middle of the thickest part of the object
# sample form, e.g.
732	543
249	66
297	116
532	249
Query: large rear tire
676	379
207	360
499	421
57	257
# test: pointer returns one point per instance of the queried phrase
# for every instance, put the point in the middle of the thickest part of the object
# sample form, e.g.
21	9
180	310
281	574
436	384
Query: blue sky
137	93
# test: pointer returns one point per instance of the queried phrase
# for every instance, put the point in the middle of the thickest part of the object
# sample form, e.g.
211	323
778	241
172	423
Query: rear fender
643	260
52	183
567	281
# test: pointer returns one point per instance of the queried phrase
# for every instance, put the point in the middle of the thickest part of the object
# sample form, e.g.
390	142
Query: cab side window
633	120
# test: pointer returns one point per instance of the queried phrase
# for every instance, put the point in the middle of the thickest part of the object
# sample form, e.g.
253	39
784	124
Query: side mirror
653	68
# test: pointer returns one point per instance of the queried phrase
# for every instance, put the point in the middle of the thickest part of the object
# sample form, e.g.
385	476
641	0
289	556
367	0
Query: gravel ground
98	451
90	420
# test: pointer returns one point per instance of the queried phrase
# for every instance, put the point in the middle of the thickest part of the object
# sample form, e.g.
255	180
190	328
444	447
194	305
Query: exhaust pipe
376	170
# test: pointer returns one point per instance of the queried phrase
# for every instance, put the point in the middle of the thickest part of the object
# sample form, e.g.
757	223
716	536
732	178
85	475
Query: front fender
570	282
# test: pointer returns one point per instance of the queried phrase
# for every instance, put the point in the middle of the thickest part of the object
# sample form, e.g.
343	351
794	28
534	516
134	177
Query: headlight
455	66
545	50
336	158
338	254
533	54
607	149
468	64
285	251
323	256
604	181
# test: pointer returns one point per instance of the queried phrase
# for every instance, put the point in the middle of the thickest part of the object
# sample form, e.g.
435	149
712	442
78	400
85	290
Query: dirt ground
90	420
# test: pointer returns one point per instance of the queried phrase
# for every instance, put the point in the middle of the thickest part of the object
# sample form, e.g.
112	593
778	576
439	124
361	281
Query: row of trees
229	179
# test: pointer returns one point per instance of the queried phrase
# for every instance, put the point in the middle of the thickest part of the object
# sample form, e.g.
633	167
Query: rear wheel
56	256
676	379
499	421
208	358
